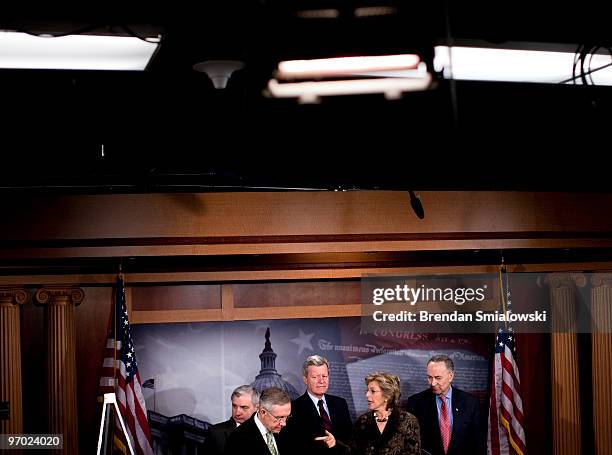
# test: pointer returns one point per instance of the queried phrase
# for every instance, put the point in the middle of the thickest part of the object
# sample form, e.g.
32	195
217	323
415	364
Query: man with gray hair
321	422
261	434
244	403
449	418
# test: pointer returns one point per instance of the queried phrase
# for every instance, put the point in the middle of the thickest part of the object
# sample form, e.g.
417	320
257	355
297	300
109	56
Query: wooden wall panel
91	317
292	294
134	279
533	354
277	222
177	297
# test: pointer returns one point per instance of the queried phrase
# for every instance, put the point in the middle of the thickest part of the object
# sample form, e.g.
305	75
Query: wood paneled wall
299	222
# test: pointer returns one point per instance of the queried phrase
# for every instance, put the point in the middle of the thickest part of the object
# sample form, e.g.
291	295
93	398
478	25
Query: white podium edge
111	398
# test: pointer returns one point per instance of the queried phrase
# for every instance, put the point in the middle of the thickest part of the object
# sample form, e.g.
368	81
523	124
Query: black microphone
416	205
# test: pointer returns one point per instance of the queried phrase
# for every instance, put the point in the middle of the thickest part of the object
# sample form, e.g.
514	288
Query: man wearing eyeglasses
261	434
320	422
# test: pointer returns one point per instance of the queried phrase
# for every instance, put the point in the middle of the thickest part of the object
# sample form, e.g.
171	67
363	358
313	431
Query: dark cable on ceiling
584	52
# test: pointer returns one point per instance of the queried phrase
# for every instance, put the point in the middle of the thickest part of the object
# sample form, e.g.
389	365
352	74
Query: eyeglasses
278	419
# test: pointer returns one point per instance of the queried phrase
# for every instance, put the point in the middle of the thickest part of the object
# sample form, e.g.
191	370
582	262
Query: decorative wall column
601	312
61	361
566	422
10	357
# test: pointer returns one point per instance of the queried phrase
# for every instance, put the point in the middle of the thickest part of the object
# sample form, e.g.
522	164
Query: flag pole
115	342
502	271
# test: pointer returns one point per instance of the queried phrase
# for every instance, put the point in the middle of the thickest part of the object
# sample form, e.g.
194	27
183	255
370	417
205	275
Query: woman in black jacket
385	429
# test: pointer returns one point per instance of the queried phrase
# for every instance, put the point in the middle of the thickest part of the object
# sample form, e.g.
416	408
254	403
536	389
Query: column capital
565	280
59	295
13	296
602	279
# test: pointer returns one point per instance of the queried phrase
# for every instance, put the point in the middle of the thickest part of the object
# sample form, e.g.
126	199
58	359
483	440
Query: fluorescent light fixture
514	65
310	92
79	52
345	66
329	13
390	75
368	11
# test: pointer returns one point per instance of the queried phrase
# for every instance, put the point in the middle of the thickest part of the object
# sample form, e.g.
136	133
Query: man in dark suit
452	433
261	434
319	421
244	402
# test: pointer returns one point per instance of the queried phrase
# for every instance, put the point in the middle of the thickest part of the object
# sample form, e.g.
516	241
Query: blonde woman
385	429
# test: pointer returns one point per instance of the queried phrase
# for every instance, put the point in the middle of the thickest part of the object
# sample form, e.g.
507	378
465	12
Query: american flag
506	434
124	380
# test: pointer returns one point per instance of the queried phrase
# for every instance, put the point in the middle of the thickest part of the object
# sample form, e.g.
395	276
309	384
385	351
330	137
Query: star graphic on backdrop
303	341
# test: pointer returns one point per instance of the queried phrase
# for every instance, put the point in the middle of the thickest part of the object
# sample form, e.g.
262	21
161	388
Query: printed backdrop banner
197	365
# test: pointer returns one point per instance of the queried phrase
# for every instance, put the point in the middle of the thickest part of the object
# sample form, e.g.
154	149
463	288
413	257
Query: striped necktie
445	431
326	421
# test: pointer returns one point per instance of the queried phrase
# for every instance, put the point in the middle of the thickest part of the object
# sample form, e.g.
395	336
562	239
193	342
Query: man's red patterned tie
445	430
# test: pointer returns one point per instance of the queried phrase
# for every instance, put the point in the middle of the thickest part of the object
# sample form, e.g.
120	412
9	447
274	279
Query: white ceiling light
345	66
514	65
311	92
80	52
390	75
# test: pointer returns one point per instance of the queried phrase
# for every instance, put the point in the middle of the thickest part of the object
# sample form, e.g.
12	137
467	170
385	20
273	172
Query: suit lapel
229	427
458	414
433	409
279	444
332	411
313	412
257	436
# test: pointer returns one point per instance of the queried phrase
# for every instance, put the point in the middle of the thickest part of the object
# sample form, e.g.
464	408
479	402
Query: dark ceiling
168	129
